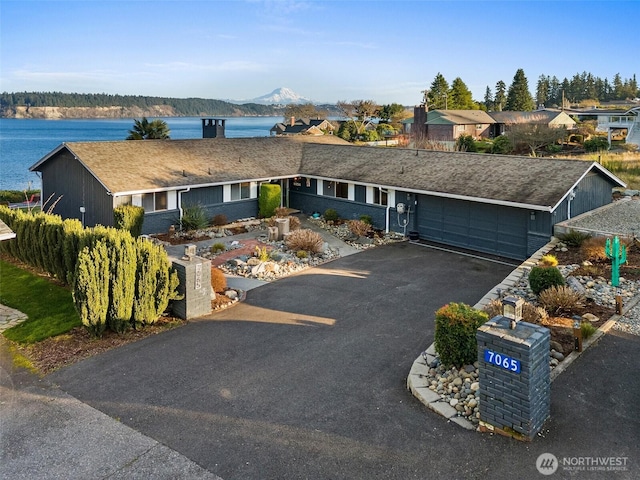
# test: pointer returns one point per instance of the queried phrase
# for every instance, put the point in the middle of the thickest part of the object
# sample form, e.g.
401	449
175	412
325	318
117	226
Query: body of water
24	142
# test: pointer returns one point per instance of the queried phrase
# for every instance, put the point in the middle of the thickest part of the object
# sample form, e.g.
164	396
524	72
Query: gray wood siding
348	210
203	196
66	179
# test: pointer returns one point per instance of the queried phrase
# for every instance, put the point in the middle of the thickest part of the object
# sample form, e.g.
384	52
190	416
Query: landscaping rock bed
282	261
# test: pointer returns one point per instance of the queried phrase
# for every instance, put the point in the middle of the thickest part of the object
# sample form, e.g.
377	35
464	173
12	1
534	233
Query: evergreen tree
542	90
501	96
488	99
519	98
438	93
460	97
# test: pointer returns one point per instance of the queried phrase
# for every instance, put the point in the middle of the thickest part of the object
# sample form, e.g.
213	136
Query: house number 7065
501	360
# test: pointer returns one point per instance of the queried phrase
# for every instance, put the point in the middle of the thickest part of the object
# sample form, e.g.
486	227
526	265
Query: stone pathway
10	317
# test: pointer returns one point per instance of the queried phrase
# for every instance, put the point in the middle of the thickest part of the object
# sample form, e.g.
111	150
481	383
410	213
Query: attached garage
483	227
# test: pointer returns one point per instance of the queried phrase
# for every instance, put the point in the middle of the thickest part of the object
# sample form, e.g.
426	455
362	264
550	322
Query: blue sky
325	50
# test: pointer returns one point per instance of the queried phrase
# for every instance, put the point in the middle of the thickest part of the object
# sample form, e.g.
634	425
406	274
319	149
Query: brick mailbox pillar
195	287
514	375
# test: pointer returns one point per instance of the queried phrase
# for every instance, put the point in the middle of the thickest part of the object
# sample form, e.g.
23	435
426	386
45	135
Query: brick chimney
213	128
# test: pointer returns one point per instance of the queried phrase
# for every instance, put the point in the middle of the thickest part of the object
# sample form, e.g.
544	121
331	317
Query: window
329	188
342	190
240	191
161	201
379	198
123	200
148	202
153	202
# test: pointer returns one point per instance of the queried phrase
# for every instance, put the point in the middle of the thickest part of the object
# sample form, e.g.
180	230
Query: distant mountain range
280	96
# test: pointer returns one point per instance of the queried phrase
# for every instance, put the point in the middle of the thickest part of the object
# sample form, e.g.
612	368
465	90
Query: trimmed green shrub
455	335
156	283
91	288
541	278
330	215
194	217
129	217
121	249
269	199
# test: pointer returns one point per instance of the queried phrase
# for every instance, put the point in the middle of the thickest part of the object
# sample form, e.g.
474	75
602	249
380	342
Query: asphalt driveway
306	378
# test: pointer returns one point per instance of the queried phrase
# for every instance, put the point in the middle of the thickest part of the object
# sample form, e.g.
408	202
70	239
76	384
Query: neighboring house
498	204
549	118
302	127
445	126
615	121
5	232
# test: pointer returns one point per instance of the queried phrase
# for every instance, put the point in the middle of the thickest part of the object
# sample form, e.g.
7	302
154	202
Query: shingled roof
135	166
458	117
538	183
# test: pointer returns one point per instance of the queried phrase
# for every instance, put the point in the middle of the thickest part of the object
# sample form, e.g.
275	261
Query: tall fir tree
519	98
438	93
460	97
500	98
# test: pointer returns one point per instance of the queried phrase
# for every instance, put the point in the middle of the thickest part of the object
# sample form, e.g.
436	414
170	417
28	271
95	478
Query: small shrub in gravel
218	280
541	278
304	239
592	249
358	227
218	247
549	261
330	215
220	219
574	238
294	223
455	335
560	299
530	312
587	330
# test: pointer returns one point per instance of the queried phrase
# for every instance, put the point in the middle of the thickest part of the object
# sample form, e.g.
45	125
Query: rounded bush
330	215
455	335
541	278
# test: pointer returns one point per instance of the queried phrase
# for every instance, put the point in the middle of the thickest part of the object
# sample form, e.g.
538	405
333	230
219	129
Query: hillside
74	105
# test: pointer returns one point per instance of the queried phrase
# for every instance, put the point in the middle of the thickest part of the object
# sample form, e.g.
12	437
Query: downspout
572	195
388	208
180	192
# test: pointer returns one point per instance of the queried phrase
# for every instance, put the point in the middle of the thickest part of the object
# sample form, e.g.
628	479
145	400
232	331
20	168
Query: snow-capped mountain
280	96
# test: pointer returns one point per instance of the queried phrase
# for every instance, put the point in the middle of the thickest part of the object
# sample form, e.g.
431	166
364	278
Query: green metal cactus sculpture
618	255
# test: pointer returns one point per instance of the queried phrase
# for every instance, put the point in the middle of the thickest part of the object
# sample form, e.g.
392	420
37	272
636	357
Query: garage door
487	228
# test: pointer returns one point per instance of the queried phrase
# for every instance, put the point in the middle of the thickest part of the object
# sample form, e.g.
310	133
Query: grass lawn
49	307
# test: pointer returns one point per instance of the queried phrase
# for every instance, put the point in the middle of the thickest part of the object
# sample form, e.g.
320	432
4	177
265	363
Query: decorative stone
590	317
232	294
453	402
475	386
557	355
